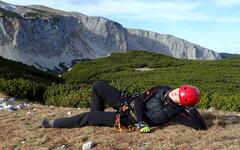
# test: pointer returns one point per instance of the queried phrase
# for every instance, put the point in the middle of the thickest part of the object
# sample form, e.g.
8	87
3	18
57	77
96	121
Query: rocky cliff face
168	45
51	39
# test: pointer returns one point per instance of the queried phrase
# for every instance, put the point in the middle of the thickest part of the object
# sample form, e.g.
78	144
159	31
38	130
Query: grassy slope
220	76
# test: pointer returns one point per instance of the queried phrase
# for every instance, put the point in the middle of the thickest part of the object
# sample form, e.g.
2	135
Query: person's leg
84	119
192	119
103	93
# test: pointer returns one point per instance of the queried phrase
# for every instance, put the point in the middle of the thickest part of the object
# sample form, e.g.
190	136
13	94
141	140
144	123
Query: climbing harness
125	107
124	111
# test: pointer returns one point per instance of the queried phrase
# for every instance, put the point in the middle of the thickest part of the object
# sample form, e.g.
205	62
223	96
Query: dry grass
19	130
2	95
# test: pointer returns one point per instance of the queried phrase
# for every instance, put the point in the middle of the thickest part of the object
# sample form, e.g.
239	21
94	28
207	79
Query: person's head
185	95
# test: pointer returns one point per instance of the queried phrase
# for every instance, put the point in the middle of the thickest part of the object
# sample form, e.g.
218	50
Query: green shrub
22	88
70	94
218	80
206	99
23	81
32	14
221	102
230	102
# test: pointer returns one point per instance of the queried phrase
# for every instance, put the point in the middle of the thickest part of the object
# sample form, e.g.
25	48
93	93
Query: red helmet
189	95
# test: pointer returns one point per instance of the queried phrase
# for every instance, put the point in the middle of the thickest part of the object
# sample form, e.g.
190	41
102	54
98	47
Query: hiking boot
47	123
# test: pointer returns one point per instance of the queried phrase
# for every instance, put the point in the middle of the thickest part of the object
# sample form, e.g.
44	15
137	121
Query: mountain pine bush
70	94
219	80
21	88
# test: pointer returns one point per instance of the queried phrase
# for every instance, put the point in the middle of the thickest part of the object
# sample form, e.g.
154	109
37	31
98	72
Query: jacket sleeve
192	118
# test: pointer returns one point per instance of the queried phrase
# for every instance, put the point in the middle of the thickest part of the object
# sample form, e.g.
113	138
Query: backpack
149	93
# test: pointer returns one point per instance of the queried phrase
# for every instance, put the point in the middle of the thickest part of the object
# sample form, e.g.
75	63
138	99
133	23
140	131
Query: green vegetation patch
219	80
24	82
72	94
23	89
10	14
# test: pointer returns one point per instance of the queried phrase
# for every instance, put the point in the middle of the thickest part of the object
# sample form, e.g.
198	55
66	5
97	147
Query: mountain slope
53	39
168	45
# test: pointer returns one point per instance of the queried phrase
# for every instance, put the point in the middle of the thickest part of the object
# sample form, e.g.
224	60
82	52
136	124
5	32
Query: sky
214	24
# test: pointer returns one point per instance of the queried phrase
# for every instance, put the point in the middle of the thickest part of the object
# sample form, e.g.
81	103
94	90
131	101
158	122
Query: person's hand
143	127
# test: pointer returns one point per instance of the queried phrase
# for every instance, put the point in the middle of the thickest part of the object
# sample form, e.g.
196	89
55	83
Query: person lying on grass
156	106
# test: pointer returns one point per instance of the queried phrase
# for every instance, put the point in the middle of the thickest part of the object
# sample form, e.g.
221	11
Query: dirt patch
20	130
144	69
2	95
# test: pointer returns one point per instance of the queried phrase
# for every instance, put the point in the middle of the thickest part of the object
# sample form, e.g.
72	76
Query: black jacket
159	109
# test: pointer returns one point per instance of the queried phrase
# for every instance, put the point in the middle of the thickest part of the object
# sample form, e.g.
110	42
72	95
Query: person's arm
192	118
143	126
197	119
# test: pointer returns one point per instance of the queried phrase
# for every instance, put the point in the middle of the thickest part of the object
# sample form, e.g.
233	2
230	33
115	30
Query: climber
156	106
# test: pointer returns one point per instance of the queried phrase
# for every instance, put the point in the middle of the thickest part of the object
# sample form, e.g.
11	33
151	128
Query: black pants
103	93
